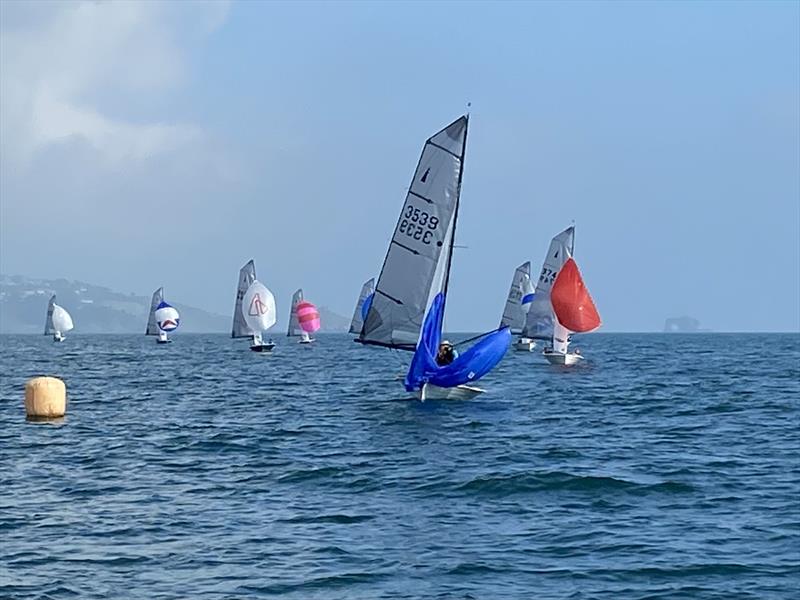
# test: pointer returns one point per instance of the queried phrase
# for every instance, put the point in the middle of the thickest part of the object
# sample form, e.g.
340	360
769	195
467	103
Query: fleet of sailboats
404	309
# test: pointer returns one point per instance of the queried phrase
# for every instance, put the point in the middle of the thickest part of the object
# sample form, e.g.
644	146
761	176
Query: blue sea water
665	466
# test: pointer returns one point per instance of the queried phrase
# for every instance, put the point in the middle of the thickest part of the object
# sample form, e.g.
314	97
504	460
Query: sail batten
412	271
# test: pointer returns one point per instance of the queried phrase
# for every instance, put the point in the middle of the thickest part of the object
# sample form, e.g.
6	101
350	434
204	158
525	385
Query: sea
665	466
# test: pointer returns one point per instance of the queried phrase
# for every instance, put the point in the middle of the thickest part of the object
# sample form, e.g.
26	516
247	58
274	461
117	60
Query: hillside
96	309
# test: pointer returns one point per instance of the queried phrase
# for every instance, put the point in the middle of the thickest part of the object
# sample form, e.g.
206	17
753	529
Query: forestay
467	367
294	326
420	244
513	313
539	321
247	275
362	306
158	298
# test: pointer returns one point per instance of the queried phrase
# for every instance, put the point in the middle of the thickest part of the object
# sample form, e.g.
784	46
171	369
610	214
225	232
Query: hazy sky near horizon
146	144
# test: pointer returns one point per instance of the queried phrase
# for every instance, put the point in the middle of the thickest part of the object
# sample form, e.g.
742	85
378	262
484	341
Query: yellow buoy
45	398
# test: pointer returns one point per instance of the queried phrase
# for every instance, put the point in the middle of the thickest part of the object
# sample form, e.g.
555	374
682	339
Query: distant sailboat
518	302
416	273
575	312
163	318
540	320
58	321
304	318
254	310
362	306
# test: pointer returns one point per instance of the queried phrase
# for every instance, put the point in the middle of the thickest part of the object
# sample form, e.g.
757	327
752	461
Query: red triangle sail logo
571	301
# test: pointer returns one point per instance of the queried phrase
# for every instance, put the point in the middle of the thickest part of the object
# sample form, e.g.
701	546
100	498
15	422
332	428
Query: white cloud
57	59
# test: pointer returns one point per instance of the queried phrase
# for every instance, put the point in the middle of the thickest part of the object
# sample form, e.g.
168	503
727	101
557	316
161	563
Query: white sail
294	325
560	338
540	318
167	318
414	267
62	322
357	323
158	298
247	275
513	313
258	307
48	322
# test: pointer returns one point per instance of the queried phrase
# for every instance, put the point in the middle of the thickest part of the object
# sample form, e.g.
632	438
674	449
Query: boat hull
308	341
460	392
262	347
524	345
564	360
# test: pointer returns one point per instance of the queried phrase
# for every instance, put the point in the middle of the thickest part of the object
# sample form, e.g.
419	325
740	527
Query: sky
146	144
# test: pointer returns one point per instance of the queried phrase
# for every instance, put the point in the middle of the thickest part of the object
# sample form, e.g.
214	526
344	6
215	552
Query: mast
455	218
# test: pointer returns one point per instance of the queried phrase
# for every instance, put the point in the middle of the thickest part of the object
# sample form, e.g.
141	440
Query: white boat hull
524	345
306	341
564	360
57	337
460	392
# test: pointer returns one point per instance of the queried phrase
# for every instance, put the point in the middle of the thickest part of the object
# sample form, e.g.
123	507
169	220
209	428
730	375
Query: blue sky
166	144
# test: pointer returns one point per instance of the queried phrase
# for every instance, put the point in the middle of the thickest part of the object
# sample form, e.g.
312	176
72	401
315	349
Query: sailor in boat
446	354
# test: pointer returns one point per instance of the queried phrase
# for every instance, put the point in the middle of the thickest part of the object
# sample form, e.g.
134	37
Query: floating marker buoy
45	398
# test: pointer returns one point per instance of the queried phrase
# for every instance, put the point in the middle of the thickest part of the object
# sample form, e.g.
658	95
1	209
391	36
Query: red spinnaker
571	301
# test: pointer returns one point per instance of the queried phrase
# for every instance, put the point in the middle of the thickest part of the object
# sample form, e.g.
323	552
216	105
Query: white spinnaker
419	244
258	306
540	319
357	323
62	322
560	338
167	318
152	326
247	275
513	313
294	325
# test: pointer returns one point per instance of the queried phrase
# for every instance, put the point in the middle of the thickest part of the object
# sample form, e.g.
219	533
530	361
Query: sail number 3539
418	224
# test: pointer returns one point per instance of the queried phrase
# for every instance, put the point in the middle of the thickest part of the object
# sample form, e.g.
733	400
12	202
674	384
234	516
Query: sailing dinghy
58	321
304	318
518	302
362	306
408	305
575	312
540	320
254	311
163	318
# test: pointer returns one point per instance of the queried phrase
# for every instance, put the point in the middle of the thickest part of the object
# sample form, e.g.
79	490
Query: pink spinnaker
308	317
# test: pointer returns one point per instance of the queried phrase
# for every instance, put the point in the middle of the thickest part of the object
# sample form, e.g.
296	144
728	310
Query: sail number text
548	275
418	224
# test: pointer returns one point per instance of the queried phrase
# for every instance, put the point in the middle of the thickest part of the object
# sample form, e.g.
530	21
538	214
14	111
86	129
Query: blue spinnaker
469	366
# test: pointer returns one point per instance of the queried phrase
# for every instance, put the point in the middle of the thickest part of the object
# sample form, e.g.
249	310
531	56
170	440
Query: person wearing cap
446	354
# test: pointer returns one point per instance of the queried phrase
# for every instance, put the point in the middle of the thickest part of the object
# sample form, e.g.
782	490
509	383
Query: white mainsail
540	319
247	275
513	313
417	262
357	323
152	326
294	325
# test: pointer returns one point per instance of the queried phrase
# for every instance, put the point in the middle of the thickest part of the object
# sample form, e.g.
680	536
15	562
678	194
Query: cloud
73	69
